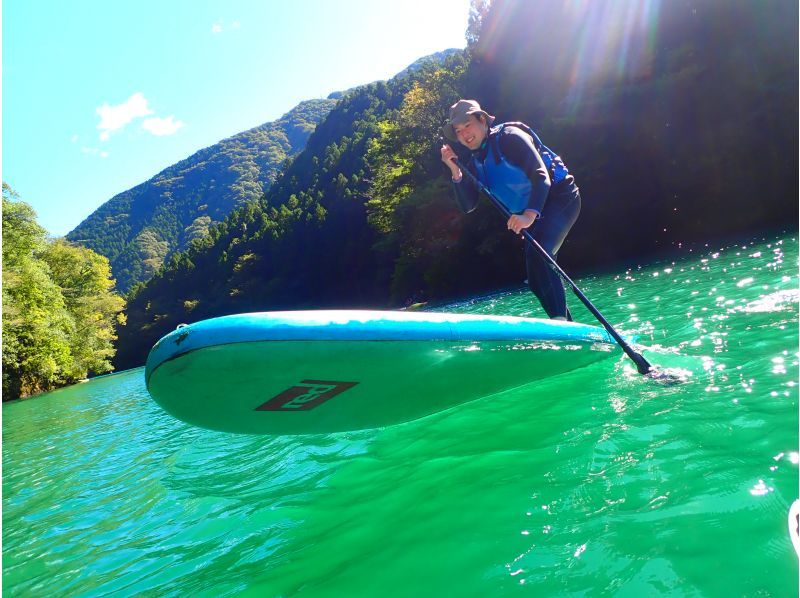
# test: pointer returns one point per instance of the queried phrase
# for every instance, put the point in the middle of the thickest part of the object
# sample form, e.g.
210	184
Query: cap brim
450	132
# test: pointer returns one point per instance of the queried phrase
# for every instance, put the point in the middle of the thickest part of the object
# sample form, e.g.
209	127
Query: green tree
35	320
84	278
409	202
59	311
404	155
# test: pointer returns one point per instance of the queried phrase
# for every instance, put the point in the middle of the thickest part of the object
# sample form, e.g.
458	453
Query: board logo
306	395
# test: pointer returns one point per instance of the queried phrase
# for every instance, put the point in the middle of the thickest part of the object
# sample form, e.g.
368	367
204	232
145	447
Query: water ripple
594	482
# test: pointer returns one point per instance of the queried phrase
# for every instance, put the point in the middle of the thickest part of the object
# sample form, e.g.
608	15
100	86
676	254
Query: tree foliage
59	308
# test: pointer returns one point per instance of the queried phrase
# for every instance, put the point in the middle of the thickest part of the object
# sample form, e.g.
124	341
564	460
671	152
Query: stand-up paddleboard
309	372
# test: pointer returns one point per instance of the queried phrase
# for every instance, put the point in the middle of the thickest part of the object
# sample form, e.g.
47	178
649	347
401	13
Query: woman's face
472	133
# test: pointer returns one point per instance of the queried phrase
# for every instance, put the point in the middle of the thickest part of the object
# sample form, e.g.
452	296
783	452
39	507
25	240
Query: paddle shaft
642	364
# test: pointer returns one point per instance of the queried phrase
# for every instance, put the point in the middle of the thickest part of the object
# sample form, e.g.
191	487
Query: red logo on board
306	395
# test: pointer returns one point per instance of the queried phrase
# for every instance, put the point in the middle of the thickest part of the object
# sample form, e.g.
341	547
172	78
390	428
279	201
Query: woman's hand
518	222
449	157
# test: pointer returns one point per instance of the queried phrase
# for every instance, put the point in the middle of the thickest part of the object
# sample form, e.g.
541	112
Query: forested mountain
678	119
139	228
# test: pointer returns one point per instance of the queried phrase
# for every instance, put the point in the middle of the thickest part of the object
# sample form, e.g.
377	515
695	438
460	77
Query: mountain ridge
140	228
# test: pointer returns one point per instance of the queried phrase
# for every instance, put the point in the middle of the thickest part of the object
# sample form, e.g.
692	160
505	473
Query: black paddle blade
642	365
668	376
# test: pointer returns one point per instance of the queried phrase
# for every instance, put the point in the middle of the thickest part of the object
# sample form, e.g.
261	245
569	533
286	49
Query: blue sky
100	96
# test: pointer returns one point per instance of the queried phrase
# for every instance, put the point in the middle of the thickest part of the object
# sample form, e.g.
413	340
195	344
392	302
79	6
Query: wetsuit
520	179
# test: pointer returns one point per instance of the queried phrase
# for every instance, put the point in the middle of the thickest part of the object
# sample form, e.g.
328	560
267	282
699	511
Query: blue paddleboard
308	372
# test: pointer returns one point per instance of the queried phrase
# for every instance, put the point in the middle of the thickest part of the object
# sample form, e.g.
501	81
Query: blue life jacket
505	178
509	182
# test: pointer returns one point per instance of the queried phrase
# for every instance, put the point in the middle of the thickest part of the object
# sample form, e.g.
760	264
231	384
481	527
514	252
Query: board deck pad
310	372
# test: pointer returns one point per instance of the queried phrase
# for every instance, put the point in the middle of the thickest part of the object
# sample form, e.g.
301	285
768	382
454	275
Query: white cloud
93	151
162	126
219	26
113	118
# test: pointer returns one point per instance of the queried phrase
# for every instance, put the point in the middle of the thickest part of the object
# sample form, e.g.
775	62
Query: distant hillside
138	229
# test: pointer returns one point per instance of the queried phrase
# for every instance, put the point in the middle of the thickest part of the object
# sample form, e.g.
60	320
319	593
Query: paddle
641	363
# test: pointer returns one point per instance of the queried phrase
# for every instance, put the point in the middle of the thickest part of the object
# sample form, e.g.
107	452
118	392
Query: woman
529	179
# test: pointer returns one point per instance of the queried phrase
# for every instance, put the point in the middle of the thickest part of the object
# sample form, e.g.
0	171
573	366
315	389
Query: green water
597	482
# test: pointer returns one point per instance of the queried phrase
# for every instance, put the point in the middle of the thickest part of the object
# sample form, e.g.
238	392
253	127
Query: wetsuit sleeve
467	194
518	149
